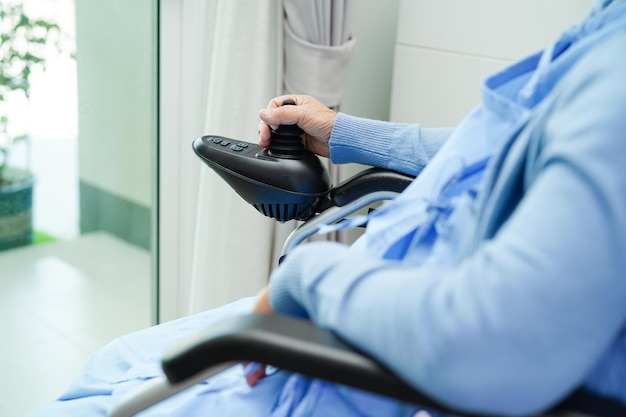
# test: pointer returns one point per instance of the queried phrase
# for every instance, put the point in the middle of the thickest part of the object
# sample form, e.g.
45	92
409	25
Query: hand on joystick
287	140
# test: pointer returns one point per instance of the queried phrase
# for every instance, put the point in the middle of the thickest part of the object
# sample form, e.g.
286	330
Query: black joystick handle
286	140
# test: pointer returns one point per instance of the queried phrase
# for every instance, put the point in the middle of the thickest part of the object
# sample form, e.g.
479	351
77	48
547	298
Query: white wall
446	47
368	89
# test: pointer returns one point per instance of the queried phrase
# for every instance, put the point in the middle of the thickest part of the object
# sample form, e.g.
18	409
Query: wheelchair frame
298	346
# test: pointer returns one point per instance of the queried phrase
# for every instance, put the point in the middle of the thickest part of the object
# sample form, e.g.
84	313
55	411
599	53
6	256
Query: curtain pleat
234	248
231	257
318	44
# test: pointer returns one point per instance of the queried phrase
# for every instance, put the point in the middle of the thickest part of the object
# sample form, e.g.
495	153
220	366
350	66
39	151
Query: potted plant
23	45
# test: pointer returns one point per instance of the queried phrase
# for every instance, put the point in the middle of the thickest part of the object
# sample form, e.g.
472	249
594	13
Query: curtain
318	47
287	46
230	257
318	44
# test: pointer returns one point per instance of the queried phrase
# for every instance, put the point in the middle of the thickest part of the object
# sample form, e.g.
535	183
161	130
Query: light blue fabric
483	287
508	97
520	294
129	361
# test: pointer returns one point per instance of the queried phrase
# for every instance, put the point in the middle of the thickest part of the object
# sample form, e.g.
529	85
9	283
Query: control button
236	148
242	144
217	140
225	142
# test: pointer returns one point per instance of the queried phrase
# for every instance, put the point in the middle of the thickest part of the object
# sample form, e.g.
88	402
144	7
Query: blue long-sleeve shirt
525	298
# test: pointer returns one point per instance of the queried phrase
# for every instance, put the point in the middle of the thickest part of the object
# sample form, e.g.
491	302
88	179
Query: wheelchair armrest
298	346
290	344
367	182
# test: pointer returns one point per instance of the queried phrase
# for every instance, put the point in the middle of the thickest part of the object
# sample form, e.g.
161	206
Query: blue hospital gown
131	360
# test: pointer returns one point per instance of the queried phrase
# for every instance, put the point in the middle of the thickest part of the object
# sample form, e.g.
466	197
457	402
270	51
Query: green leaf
46	25
38	40
32	58
3	161
24	20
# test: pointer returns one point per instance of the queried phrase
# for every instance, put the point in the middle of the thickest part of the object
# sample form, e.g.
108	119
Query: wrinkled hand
309	114
262	305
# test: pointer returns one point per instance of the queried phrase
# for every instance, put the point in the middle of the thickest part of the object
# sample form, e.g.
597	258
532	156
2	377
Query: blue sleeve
402	147
527	316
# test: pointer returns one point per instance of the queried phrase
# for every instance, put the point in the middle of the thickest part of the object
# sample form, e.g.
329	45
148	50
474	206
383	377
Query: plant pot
16	208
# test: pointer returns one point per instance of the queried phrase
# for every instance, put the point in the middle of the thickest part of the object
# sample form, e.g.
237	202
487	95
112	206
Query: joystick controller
287	140
284	182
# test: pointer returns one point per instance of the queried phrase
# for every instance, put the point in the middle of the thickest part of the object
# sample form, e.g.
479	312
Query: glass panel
76	195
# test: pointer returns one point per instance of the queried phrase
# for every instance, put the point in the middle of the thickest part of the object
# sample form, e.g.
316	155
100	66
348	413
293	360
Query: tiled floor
60	302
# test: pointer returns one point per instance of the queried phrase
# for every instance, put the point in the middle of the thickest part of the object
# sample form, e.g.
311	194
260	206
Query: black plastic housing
284	188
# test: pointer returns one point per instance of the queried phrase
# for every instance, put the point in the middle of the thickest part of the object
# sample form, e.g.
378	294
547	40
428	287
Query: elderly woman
494	282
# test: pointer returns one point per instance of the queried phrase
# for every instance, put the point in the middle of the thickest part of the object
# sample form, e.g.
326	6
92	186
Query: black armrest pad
298	346
369	181
289	344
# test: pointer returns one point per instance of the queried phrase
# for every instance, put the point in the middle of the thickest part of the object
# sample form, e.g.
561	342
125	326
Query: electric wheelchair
285	183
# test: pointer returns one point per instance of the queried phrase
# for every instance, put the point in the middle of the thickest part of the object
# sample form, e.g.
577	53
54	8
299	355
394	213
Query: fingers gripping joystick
286	140
284	182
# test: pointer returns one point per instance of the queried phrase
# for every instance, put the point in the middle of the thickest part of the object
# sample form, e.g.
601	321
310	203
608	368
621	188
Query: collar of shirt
482	133
600	4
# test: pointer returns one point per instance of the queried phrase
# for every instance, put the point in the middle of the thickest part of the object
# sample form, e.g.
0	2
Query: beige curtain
230	257
296	46
318	44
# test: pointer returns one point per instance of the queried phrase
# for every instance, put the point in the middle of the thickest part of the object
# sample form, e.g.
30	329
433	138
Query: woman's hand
262	305
309	114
